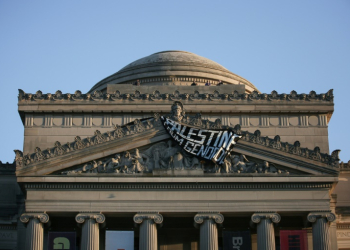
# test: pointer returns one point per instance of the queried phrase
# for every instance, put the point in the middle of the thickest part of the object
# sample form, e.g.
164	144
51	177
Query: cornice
291	150
156	96
177	186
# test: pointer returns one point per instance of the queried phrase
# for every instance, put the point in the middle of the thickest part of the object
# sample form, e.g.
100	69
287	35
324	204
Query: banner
207	144
293	239
61	240
237	240
119	240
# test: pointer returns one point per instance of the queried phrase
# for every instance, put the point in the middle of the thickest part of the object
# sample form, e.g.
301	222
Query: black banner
237	240
61	240
207	144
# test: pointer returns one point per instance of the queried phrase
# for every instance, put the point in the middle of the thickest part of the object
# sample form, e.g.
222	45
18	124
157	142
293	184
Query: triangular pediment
114	154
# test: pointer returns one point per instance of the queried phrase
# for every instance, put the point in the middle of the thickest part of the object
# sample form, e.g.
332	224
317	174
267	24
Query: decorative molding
43	217
201	216
119	131
141	216
313	216
179	186
98	217
295	149
176	96
258	216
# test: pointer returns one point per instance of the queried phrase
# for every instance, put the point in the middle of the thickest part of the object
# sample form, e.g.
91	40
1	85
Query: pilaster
148	229
265	230
321	233
90	230
35	230
208	229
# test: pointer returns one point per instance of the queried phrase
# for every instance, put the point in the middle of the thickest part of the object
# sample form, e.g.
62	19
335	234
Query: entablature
138	99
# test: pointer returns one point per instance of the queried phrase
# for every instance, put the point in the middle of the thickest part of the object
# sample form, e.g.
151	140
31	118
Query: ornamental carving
140	217
168	156
200	217
314	216
42	217
296	149
82	217
176	96
274	217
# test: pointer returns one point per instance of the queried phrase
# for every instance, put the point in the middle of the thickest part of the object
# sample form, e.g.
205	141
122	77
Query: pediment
145	148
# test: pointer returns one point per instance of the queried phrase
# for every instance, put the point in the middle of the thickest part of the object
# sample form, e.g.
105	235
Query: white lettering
202	136
237	242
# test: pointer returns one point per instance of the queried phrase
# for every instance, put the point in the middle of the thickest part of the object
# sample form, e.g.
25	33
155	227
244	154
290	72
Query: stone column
148	229
208	238
265	230
321	235
90	230
35	230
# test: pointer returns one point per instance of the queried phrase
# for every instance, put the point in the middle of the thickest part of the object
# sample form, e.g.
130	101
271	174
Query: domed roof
173	67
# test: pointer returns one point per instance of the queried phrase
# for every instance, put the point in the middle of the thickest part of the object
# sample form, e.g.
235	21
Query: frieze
177	186
175	96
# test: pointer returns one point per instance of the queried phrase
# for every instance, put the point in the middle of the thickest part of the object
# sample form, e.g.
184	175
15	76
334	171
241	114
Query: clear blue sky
278	45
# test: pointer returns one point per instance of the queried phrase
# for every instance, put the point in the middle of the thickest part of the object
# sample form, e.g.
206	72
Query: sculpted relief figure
241	164
177	111
169	156
126	163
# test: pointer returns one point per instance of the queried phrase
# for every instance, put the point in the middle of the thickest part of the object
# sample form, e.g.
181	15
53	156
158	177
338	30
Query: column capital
41	216
141	216
273	216
313	216
201	216
98	217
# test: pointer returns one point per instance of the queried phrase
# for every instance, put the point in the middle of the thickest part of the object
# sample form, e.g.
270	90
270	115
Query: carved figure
177	111
112	165
126	159
142	158
241	163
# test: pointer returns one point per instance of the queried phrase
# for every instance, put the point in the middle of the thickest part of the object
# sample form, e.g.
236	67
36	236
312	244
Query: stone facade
104	161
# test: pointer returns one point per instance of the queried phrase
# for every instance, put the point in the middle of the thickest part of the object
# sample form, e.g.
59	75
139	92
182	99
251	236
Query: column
148	229
208	237
35	230
321	236
265	230
90	230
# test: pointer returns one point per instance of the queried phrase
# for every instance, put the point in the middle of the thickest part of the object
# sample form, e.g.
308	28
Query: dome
173	67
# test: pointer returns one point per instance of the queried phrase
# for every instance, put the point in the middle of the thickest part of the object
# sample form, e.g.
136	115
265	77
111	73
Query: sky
70	45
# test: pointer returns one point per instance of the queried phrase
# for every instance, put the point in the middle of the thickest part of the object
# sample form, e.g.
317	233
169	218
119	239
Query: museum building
175	152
